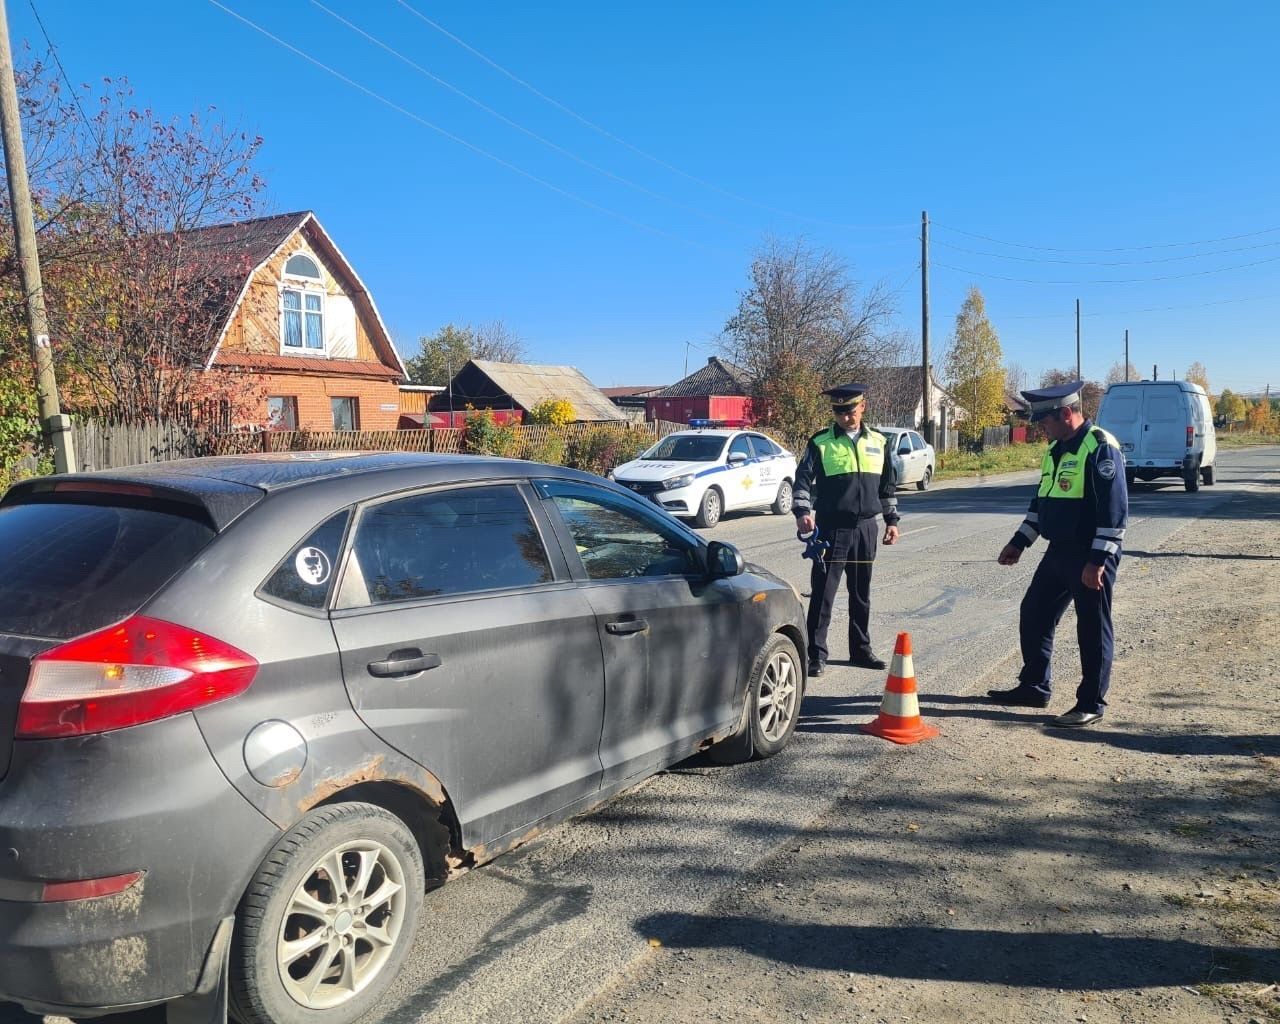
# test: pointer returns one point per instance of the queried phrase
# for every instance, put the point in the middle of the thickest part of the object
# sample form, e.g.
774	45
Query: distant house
631	400
512	390
717	391
895	398
303	326
414	399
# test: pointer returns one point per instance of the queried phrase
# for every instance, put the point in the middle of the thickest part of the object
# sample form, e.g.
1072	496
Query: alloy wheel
779	691
342	924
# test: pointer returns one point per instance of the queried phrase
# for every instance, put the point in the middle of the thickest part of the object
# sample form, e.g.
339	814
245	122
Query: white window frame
303	286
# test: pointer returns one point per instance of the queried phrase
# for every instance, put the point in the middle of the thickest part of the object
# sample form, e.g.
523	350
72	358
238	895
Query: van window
1165	408
1122	408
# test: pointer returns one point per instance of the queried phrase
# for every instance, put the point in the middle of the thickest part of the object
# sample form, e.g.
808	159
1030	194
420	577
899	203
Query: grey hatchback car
253	709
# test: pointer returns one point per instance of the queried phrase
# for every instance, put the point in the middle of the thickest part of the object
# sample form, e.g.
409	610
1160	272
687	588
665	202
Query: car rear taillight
137	671
1191	433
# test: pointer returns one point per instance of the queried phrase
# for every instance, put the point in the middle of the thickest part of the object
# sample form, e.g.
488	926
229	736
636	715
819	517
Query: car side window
763	446
305	576
437	543
741	446
904	445
615	541
917	442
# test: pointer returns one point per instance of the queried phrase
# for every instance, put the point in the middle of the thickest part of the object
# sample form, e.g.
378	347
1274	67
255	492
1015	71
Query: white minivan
1165	428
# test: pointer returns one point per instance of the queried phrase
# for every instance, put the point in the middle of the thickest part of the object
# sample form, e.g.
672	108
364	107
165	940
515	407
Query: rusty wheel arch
434	825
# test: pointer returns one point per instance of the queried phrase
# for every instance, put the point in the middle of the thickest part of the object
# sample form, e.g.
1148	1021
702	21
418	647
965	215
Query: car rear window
70	567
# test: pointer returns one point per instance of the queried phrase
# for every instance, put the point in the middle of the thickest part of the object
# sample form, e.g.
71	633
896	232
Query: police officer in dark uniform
1081	507
843	482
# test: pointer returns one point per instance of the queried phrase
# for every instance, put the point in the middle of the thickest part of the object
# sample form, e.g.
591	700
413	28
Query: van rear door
1121	414
1165	419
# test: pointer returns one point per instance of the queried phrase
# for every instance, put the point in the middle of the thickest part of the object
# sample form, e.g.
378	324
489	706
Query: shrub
484	435
554	412
599	449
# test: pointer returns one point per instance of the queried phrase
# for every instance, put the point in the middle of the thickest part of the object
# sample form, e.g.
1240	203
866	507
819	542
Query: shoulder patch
1107	469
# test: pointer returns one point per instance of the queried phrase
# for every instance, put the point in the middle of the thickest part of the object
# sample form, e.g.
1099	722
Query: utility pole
1078	377
1155	371
1126	354
56	426
926	383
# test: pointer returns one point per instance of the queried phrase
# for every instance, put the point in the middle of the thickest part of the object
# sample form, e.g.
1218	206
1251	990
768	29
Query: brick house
304	327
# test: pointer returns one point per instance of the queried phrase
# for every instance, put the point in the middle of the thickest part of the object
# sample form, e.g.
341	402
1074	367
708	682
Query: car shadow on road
1069	960
829	714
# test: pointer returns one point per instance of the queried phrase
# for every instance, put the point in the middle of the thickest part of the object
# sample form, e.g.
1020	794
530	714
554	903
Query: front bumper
682	501
145	799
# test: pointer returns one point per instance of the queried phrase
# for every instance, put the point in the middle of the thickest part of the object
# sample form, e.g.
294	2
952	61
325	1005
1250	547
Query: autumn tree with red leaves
135	299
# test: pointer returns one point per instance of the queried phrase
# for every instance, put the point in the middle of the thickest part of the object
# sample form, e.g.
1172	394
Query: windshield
686	448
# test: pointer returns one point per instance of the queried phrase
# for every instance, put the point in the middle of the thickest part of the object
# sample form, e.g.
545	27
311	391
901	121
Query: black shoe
1018	697
816	668
1077	719
866	660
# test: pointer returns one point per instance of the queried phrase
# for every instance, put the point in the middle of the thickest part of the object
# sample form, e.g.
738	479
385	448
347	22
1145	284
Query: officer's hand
806	523
891	535
1092	577
1009	554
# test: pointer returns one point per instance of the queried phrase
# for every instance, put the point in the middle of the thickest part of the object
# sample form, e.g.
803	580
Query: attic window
301	265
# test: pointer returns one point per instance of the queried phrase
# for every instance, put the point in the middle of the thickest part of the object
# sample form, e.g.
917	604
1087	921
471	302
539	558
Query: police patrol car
708	470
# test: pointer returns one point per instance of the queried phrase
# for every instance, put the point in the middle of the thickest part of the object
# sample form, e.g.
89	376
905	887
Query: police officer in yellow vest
1081	507
843	482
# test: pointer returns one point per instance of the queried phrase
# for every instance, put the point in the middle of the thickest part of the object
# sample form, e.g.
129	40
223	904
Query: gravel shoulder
1012	872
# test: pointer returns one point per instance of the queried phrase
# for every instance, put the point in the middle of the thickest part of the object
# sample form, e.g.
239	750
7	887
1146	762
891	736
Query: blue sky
1090	133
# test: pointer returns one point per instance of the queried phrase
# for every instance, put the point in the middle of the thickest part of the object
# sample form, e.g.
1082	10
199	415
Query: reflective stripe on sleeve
1110	547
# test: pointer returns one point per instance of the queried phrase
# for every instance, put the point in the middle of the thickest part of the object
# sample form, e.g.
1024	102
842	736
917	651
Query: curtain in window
315	322
292	319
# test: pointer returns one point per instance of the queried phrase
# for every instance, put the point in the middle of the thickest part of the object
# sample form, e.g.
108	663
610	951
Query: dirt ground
1010	872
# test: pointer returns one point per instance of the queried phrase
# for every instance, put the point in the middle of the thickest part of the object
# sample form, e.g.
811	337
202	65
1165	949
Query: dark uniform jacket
1092	517
847	498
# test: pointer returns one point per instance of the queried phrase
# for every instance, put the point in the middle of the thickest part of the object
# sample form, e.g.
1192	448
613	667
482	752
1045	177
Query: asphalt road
534	934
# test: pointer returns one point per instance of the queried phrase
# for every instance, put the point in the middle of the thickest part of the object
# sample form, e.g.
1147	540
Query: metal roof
530	383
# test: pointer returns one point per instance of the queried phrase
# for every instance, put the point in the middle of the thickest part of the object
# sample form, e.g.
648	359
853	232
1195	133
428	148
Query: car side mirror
737	457
724	560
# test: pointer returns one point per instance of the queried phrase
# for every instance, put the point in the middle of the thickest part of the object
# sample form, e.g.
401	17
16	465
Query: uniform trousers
853	549
1056	584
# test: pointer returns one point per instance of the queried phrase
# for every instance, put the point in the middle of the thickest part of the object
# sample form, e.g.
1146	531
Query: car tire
1206	475
1191	480
710	509
772	706
782	503
923	483
293	900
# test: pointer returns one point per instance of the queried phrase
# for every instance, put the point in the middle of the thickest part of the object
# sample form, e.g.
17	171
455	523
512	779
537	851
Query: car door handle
625	627
404	663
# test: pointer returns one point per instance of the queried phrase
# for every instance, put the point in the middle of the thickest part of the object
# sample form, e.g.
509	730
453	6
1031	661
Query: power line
461	141
1101	263
1128	280
1124	248
53	50
521	128
636	149
1133	312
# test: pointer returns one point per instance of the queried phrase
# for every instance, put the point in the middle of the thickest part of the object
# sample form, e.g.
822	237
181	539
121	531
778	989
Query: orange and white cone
899	719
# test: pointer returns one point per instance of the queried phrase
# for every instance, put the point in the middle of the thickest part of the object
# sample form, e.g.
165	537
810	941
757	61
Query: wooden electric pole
1078	377
56	426
1126	354
926	379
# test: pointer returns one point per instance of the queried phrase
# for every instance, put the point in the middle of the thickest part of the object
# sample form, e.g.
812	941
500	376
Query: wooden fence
101	445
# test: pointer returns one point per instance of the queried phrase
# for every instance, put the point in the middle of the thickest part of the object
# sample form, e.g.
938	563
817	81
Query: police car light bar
700	424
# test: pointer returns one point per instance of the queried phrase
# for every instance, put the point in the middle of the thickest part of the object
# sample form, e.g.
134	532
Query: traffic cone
899	719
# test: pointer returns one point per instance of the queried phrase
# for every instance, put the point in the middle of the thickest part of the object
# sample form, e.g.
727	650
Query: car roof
706	432
226	486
